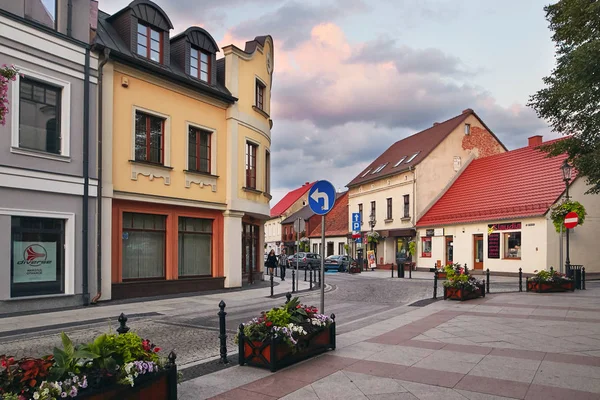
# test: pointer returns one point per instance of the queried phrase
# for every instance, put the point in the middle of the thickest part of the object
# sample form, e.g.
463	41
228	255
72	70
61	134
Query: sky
351	77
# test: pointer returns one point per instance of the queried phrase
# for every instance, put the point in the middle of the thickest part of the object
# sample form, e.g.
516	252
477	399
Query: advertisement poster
371	259
34	262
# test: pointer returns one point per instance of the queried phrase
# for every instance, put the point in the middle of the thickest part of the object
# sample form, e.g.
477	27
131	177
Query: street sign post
571	220
321	198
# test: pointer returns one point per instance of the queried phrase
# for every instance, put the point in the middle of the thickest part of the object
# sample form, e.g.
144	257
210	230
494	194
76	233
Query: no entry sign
571	220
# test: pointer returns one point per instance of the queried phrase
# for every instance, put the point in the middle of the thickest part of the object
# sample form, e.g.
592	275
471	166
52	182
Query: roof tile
336	221
289	199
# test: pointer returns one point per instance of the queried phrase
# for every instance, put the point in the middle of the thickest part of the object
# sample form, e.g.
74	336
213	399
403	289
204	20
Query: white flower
36	395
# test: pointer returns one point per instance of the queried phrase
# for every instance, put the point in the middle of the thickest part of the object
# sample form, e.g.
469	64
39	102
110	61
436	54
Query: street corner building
48	181
496	216
185	155
396	188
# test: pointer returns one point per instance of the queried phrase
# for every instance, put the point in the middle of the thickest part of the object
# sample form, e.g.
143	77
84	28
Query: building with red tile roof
495	214
284	205
336	228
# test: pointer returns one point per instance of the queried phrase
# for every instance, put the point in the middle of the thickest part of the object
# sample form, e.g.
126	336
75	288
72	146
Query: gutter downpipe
86	178
101	64
70	18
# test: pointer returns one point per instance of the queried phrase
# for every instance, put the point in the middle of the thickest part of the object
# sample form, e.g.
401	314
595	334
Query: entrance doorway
250	253
478	251
329	249
449	250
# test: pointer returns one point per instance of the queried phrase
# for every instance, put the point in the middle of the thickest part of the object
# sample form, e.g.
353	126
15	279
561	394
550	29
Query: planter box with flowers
460	285
549	282
111	367
284	336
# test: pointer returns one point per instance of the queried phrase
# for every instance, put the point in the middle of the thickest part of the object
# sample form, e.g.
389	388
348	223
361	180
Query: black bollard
288	297
520	279
410	270
293	281
305	273
527	284
583	278
172	357
271	284
435	282
241	358
122	321
392	268
310	276
487	280
222	330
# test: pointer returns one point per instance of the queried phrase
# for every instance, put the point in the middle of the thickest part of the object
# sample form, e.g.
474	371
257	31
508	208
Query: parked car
339	263
312	260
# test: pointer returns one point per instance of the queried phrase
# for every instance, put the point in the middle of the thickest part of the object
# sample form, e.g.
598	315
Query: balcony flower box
284	336
549	282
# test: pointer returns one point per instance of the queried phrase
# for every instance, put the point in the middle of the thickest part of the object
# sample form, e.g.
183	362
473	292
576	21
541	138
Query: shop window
149	43
199	64
426	247
144	246
402	253
449	249
195	247
39	116
43	12
37	265
512	245
199	150
149	138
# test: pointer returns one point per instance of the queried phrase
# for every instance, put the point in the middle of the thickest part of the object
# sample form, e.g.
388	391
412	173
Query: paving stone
337	386
305	393
401	355
371	385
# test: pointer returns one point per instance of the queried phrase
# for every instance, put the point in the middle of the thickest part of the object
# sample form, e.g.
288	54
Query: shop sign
429	232
34	262
438	232
494	245
509	226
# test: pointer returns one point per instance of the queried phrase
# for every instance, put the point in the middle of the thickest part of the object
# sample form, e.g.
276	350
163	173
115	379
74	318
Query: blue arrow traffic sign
321	197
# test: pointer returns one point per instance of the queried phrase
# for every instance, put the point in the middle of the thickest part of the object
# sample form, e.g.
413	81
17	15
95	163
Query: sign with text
371	259
34	262
494	245
508	226
429	232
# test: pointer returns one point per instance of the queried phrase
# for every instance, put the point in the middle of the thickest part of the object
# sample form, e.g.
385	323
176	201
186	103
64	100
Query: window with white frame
41	114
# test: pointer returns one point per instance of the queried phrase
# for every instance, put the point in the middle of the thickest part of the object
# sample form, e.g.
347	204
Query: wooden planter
451	293
152	386
550	287
275	354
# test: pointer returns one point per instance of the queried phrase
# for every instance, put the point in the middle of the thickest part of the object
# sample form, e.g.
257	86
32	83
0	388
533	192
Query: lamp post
372	223
566	172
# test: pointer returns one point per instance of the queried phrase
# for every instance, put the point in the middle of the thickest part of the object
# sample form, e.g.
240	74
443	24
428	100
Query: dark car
311	260
339	263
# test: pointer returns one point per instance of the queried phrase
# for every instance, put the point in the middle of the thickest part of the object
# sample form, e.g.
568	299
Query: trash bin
574	272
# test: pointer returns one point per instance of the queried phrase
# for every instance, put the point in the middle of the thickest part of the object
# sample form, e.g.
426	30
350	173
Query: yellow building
185	142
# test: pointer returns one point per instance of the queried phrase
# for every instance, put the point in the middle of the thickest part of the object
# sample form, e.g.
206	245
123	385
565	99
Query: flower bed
285	335
460	285
111	367
550	282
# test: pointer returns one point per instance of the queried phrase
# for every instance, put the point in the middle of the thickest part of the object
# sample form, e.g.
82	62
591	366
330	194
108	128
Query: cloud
289	22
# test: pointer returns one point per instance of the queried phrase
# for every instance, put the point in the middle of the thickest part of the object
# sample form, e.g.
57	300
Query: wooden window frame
260	95
148	135
406	205
251	152
197	146
199	63
389	208
149	40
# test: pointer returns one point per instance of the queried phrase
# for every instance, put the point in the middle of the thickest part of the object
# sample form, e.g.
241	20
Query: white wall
534	255
336	241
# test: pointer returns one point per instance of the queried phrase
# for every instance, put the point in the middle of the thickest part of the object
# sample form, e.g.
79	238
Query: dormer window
149	43
199	64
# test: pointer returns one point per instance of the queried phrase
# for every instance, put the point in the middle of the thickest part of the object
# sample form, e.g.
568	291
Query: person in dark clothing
272	261
282	266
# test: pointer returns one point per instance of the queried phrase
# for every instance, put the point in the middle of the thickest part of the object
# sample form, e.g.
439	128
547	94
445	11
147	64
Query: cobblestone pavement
191	328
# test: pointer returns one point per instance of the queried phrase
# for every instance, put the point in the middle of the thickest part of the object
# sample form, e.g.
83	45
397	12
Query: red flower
298	306
269	324
157	349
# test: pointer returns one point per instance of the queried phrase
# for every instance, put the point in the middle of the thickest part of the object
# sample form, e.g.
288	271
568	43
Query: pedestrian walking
272	261
282	266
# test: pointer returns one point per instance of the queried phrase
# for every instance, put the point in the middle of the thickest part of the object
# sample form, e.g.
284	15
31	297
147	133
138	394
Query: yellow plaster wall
246	134
248	71
182	107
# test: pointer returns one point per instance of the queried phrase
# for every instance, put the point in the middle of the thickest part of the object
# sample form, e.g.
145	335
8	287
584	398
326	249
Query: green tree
570	100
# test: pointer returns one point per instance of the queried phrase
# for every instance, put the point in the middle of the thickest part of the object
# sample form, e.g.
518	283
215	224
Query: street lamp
372	223
566	172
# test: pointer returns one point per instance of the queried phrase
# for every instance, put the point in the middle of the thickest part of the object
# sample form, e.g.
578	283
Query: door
449	250
478	251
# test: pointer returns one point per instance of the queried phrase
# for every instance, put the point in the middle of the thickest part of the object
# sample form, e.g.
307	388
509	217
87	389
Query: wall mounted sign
438	232
429	232
508	226
494	245
34	262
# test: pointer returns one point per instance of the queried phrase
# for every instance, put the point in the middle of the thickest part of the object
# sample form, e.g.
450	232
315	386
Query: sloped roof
516	184
336	221
410	151
303	213
289	199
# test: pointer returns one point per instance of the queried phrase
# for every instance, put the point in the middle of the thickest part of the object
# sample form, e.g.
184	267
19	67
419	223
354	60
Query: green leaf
85	354
60	357
67	344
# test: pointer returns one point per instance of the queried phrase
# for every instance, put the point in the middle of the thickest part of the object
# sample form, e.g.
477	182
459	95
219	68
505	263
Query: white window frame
366	173
213	146
167	133
400	162
412	157
265	108
69	262
65	115
467	129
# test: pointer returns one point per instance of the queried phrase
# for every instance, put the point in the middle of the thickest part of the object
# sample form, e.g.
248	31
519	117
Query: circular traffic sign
321	197
571	220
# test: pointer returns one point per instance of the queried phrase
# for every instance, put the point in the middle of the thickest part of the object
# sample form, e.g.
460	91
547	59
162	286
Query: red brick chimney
535	141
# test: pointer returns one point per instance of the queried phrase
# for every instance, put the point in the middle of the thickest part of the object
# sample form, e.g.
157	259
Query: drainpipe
70	18
86	177
99	198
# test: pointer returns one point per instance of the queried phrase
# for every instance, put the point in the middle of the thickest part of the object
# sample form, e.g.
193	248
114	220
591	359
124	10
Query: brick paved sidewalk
517	346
